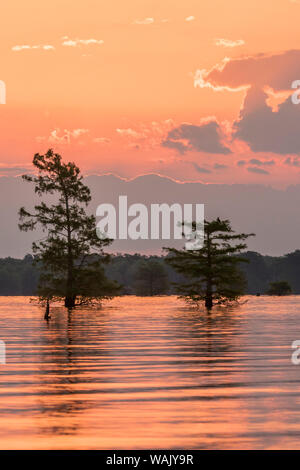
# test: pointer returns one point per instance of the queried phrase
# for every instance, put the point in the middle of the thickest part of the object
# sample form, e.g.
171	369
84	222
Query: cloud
66	42
149	20
255	161
265	130
101	140
179	146
45	47
15	170
79	42
259	171
229	42
200	169
268	120
275	98
130	133
63	137
78	132
202	80
146	135
220	166
144	21
277	71
206	137
292	161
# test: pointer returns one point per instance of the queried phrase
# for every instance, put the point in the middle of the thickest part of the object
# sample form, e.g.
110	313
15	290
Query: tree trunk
70	301
208	293
70	297
208	301
47	312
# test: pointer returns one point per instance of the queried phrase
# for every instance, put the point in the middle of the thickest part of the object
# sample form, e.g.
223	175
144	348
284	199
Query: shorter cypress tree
212	273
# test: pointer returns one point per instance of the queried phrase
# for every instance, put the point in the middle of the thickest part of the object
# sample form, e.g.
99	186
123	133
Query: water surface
150	373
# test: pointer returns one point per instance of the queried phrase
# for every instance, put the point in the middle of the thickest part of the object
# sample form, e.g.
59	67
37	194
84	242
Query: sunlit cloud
229	42
202	79
78	42
78	132
23	47
144	21
275	99
146	135
150	20
275	71
86	42
63	137
129	133
101	140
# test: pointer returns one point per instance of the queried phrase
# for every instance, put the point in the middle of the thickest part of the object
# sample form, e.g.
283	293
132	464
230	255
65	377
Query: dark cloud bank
270	213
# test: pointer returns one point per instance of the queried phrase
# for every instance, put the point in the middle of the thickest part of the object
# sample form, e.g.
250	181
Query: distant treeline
148	275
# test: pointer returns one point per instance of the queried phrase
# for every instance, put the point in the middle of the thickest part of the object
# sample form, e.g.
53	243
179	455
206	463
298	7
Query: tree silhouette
279	288
151	278
71	256
212	272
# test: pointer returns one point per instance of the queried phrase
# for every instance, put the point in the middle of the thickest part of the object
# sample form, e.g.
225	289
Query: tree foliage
212	272
69	268
151	278
20	276
279	288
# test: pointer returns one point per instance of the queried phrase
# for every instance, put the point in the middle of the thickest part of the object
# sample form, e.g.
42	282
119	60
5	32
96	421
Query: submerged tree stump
47	312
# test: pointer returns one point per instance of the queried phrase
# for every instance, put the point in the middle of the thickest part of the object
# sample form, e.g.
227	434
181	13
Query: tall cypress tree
212	272
71	256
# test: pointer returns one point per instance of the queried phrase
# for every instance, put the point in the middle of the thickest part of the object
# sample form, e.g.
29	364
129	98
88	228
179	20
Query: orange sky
105	82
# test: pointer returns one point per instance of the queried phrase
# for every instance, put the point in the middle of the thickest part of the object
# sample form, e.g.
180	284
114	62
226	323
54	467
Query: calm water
150	373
